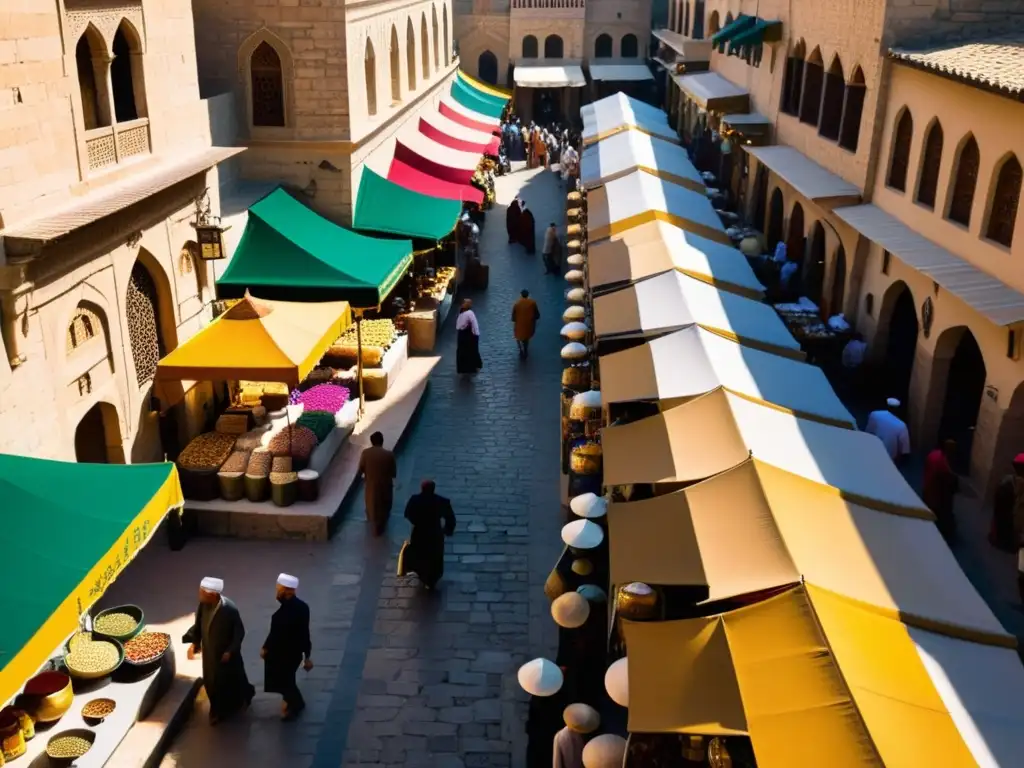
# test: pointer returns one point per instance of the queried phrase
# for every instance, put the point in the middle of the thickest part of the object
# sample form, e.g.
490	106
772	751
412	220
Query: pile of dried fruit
67	747
89	657
207	451
98	708
294	441
115	624
146	646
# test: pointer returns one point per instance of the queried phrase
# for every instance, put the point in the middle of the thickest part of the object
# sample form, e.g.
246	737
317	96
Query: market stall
451	109
477	100
618	112
639	198
629	151
76	527
822	342
426	155
413	178
446	131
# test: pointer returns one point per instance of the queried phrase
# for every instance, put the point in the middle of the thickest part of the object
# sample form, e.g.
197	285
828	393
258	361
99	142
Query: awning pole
359	359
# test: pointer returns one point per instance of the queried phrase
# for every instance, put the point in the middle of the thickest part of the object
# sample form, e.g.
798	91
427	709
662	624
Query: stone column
104	89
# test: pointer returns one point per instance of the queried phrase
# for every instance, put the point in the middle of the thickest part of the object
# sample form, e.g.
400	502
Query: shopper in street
512	220
525	315
287	646
432	520
378	468
467	349
940	486
550	252
1008	509
891	430
852	361
217	635
527	226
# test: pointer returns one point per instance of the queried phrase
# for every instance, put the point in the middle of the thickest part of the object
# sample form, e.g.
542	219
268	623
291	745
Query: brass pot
636	604
585	459
48	696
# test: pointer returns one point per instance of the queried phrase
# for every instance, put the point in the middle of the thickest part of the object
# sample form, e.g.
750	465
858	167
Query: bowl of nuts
146	648
70	745
121	623
97	710
89	657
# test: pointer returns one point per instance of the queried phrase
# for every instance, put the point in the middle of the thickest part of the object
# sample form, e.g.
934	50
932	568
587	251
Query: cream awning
657	247
987	295
549	74
804	175
639	197
478	117
836	679
426	147
718	431
712	91
688	49
671	301
629	151
796	530
619	112
623	71
451	128
693	362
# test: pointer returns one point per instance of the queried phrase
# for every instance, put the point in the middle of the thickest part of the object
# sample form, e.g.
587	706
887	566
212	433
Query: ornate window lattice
962	199
141	310
267	87
1004	203
931	161
899	162
84	325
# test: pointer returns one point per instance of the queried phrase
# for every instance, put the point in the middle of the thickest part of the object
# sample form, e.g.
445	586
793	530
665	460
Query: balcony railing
114	143
547	5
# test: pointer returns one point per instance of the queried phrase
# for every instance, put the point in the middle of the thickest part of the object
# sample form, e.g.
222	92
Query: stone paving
406	678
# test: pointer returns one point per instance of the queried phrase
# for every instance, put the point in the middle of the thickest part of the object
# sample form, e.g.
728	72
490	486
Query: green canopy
291	253
69	529
764	30
729	31
383	206
470	97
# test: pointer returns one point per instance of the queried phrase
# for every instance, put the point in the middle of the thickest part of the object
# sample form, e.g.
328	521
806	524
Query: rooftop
994	63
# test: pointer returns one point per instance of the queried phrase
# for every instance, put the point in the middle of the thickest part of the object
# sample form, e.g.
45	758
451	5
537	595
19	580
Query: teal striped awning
756	35
729	31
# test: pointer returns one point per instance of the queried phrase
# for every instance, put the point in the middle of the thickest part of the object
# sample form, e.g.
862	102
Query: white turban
288	581
892	402
211	584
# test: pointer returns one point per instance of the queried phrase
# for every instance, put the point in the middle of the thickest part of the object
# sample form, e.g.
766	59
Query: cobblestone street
402	677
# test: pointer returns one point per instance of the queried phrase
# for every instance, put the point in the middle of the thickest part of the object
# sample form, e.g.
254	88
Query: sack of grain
260	462
207	451
232	423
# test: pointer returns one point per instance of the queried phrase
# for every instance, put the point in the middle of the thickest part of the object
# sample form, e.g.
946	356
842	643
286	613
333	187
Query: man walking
550	252
217	634
432	520
891	430
287	646
378	469
525	315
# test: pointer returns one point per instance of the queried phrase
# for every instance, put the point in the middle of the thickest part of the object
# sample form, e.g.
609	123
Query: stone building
550	43
105	147
322	88
820	96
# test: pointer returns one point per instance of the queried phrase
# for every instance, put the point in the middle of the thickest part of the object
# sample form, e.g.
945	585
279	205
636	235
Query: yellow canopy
816	679
255	339
717	431
897	565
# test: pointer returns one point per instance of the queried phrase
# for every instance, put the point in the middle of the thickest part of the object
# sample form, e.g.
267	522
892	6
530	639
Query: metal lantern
718	755
211	242
575	331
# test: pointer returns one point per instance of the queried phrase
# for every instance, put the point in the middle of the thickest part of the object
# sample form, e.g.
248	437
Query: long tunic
512	220
527	233
285	646
525	315
378	467
217	630
425	555
568	749
940	486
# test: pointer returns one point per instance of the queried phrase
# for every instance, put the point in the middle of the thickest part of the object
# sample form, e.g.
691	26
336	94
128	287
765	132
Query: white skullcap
287	580
892	402
211	584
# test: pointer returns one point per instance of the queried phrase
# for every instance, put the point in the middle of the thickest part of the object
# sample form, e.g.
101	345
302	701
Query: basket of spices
146	648
98	710
70	745
121	623
90	658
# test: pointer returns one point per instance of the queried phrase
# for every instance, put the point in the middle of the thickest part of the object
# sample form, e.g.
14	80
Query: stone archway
775	223
958	377
897	330
838	290
487	67
814	267
795	239
98	436
760	198
150	316
1008	440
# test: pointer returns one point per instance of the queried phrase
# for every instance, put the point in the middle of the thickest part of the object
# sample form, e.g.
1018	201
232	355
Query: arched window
370	76
529	47
487	68
698	20
410	53
396	67
267	86
603	47
931	162
142	313
899	158
553	48
792	82
444	23
1005	200
630	47
85	325
433	30
424	46
92	73
686	17
966	180
853	109
728	20
713	24
810	99
832	101
126	74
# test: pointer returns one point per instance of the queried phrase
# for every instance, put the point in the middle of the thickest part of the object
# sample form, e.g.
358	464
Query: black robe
527	231
512	221
286	644
226	683
425	555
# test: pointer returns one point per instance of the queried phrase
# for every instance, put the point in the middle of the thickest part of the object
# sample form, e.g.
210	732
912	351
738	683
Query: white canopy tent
630	151
671	301
621	71
639	198
692	362
549	74
657	247
619	112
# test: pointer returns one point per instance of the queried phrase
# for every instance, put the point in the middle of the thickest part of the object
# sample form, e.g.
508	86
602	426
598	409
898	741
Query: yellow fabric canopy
717	431
255	339
816	679
899	566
